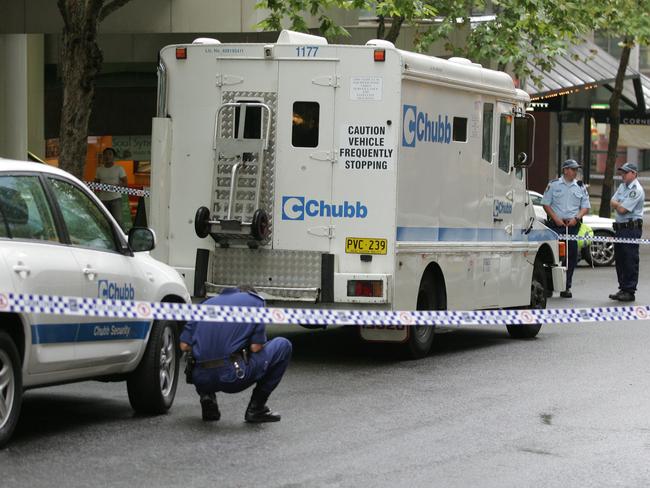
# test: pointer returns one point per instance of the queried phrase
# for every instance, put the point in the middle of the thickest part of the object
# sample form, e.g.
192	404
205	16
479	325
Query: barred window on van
305	121
488	118
460	129
252	121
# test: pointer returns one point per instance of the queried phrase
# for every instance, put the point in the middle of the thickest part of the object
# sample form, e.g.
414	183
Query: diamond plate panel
266	267
248	175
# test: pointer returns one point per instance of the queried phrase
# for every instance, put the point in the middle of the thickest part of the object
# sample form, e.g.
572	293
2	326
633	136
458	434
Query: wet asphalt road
570	408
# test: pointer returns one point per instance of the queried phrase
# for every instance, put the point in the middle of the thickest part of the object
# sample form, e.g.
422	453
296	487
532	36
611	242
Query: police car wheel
537	301
11	387
420	337
152	386
600	253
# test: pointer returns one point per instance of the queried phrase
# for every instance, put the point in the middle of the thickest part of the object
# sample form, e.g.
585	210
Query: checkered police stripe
95	307
615	240
117	189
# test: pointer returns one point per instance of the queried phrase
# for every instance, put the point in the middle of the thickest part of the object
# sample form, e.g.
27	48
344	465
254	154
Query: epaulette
581	183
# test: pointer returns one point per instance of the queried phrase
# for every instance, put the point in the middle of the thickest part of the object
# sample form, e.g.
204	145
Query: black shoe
209	408
615	296
566	294
257	412
258	415
626	296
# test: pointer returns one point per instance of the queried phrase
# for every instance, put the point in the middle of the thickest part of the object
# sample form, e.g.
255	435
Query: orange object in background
96	144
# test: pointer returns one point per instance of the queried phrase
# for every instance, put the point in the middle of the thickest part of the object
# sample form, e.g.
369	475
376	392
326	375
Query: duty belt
630	224
236	359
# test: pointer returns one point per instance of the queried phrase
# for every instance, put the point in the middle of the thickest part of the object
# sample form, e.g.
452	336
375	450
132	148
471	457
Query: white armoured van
346	176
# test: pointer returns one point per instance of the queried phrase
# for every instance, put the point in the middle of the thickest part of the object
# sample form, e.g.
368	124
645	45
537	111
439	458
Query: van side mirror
524	140
141	239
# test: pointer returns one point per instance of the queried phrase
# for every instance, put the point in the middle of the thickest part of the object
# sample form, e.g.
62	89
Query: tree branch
111	7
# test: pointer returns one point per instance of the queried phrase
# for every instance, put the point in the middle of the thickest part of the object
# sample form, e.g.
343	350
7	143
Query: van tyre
537	301
152	386
11	387
420	337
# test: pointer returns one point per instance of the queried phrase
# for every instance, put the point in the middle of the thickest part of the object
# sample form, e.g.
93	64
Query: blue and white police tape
139	310
614	240
117	189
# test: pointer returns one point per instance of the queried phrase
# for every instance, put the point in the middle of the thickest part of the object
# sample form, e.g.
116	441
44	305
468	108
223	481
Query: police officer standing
627	203
566	201
231	357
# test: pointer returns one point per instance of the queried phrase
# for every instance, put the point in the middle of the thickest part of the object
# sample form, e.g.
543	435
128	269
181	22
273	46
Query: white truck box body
402	155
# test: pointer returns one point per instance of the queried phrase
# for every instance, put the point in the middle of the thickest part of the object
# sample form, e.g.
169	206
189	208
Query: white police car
598	253
56	238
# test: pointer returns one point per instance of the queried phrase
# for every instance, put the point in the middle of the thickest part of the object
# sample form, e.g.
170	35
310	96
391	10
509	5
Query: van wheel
420	337
152	386
11	387
537	301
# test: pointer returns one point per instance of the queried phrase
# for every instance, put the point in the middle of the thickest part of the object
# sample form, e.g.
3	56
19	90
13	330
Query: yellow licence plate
365	245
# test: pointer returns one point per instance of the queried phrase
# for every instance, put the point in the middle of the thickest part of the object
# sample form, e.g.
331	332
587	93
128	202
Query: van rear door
305	153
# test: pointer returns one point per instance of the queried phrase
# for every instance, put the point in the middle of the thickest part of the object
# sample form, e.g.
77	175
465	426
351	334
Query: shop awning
587	66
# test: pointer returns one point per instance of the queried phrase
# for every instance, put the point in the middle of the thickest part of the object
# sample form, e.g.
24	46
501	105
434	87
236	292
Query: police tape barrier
95	307
117	189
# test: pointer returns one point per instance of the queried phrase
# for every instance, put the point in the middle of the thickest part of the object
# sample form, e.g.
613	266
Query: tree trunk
395	27
81	60
614	126
381	27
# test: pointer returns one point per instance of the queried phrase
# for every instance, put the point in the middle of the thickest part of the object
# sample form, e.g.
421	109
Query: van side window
305	121
488	118
24	210
252	121
460	129
505	130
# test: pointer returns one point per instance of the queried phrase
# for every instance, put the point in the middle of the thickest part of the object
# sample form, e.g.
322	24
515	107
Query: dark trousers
627	260
572	251
115	208
265	368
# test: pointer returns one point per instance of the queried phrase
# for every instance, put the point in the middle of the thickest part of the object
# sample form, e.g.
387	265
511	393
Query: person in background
627	204
111	174
566	201
230	357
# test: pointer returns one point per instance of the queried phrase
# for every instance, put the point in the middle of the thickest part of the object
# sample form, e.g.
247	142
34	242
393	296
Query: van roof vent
205	40
292	37
380	43
461	61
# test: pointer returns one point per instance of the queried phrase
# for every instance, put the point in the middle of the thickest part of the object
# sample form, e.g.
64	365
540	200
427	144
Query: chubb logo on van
423	127
112	291
297	208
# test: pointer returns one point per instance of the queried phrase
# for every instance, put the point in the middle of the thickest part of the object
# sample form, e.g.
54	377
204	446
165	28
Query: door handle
497	219
22	270
89	272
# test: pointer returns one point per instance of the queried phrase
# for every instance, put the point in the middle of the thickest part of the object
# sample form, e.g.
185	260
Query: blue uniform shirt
218	340
566	199
631	198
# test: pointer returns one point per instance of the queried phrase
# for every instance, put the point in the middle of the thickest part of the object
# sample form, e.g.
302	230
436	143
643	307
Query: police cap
627	167
571	163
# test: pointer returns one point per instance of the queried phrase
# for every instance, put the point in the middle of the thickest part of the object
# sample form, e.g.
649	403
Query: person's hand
572	222
558	221
256	347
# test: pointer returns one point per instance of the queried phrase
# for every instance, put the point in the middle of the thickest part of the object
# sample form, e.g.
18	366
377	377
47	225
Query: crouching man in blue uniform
231	357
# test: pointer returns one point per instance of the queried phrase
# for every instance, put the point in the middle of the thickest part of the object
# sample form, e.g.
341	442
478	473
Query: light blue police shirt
566	199
631	197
